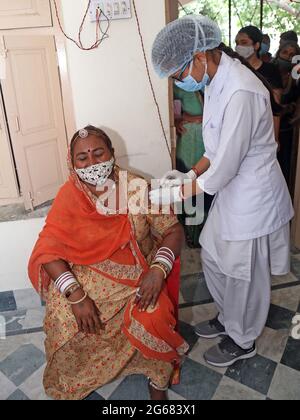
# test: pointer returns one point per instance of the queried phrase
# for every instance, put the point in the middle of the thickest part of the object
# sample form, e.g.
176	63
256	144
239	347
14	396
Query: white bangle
64	281
164	261
169	251
80	300
166	255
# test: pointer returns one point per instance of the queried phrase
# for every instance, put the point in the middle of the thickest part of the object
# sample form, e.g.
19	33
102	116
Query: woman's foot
157	395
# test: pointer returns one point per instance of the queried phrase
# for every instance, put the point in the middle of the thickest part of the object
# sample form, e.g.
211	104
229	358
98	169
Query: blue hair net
177	43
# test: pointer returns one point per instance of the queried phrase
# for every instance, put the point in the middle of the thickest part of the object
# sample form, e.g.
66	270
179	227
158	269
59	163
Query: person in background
265	55
248	45
288	36
190	148
290	114
249	41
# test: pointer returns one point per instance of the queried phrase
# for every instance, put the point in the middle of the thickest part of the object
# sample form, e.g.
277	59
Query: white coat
238	134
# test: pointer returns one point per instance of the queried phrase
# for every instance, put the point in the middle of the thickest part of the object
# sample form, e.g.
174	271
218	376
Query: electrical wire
257	3
183	8
237	12
252	17
149	78
99	40
278	21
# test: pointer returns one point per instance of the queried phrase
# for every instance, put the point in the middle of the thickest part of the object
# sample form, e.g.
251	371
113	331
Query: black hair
276	108
254	33
289	36
96	132
286	44
267	36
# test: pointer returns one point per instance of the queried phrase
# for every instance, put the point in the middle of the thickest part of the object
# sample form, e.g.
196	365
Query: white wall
111	89
17	240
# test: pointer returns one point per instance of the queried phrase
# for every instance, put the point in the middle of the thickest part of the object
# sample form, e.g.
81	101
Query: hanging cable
239	16
237	12
255	10
150	80
183	8
99	39
278	21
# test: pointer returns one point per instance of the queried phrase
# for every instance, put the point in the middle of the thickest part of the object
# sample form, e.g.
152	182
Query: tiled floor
273	374
14	212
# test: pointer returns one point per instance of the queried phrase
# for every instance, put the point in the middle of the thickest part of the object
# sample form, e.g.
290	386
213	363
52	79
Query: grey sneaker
227	353
210	329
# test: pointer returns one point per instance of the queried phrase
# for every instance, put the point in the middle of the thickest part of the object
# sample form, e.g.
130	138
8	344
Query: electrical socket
113	9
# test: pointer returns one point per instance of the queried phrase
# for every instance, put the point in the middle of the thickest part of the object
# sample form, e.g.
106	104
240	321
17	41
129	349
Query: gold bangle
163	265
80	300
162	269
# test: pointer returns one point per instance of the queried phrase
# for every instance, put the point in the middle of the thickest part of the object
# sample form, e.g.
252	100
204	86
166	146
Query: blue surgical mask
189	84
264	48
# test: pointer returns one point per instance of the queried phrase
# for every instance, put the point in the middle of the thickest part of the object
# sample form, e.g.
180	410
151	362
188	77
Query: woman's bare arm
56	268
203	165
153	282
174	239
86	313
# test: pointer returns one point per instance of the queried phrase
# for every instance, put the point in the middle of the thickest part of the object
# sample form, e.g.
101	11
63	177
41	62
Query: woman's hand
179	124
86	313
193	119
150	289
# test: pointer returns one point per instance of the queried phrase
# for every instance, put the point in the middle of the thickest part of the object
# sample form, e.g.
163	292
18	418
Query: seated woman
108	312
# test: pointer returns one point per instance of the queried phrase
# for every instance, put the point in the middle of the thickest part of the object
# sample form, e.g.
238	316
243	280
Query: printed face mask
96	175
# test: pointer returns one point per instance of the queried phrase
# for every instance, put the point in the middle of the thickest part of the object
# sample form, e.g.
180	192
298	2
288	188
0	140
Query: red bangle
196	171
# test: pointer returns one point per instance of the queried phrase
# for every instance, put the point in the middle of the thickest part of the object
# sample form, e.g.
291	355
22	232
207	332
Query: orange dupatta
75	232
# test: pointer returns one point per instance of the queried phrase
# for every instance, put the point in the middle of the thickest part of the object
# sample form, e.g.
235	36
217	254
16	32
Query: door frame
66	90
172	13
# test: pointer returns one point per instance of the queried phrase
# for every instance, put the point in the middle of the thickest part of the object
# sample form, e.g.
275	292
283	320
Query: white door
16	14
33	102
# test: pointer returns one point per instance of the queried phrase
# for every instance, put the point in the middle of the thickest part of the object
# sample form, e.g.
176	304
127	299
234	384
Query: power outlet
113	9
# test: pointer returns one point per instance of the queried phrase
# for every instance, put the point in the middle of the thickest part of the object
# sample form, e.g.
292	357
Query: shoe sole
244	357
210	336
